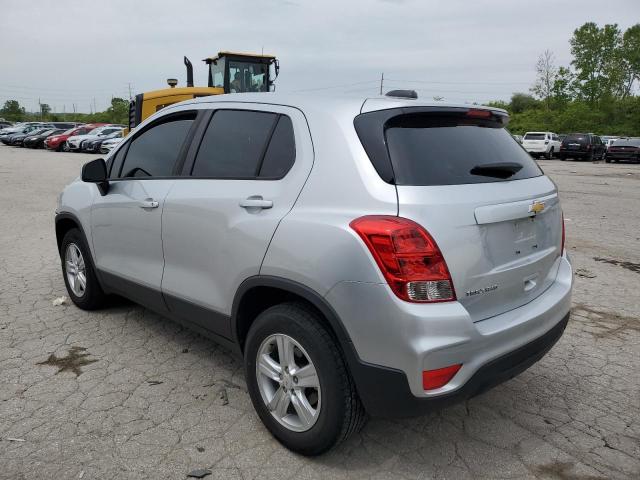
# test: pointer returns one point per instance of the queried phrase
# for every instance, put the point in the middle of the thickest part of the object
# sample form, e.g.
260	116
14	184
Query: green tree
12	110
596	61
562	89
630	58
522	101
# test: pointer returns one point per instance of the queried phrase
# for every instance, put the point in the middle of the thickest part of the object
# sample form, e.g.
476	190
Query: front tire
298	381
79	273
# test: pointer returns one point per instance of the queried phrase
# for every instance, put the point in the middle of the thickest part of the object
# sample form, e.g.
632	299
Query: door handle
149	203
256	202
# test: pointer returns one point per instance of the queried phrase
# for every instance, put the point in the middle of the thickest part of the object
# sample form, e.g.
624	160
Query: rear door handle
256	202
149	203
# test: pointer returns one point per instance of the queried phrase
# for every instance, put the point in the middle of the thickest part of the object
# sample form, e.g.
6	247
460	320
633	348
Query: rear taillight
562	243
408	257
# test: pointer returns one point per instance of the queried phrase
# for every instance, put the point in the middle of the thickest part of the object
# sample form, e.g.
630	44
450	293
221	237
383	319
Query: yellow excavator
229	72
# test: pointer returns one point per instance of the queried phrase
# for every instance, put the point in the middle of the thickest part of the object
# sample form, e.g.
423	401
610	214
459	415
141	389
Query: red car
59	142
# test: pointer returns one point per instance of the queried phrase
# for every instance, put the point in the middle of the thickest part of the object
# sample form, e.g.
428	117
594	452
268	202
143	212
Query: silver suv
381	255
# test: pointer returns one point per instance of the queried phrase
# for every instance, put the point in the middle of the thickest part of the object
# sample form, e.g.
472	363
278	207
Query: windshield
535	136
576	137
95	131
248	77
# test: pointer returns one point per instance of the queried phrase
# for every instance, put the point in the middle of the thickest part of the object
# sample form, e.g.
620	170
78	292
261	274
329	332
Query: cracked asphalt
123	393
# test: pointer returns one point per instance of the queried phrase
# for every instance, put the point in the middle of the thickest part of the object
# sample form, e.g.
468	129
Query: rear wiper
497	170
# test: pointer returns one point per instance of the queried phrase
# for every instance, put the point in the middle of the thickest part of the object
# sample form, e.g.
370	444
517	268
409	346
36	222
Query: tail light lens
408	257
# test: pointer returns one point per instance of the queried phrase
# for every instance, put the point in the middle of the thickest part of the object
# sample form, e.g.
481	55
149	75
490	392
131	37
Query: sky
82	53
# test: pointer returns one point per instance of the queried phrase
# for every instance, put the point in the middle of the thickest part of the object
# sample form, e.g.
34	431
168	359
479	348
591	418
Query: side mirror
95	171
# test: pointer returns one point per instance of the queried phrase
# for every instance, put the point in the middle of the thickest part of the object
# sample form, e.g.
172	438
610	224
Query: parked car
624	150
110	144
355	260
582	146
65	125
74	143
4	124
93	146
541	143
608	142
20	129
15	138
37	140
59	142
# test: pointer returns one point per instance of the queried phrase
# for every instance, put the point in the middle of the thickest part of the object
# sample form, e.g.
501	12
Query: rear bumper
574	153
624	156
537	148
396	341
385	392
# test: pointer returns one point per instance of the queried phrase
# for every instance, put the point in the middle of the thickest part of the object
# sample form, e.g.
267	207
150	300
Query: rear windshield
535	136
432	149
577	138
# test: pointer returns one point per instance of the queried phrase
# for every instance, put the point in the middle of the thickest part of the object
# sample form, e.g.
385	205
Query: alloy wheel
75	270
288	382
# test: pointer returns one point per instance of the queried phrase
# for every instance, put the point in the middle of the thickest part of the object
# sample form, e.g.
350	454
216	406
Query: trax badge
536	207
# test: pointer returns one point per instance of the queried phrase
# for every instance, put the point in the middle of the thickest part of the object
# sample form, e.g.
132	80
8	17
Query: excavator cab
242	72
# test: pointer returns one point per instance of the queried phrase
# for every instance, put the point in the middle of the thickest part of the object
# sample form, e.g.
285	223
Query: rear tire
336	408
79	272
549	154
65	147
562	157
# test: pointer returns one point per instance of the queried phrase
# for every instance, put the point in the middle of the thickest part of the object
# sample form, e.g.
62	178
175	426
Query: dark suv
582	145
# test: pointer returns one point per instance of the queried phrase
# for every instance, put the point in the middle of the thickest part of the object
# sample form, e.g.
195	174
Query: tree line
596	92
117	112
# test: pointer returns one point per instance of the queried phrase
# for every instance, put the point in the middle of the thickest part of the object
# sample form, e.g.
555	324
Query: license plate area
525	236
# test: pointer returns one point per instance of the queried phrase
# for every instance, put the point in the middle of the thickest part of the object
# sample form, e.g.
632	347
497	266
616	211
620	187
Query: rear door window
431	149
281	152
234	145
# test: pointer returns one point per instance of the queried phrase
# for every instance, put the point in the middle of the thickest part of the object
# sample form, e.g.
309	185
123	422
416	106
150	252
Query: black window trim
177	166
204	125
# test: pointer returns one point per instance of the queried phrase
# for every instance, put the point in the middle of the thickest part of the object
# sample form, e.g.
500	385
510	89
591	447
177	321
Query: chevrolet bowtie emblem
536	207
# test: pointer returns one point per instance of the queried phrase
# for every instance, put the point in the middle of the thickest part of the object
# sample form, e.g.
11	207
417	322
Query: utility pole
381	82
64	112
129	90
40	108
95	110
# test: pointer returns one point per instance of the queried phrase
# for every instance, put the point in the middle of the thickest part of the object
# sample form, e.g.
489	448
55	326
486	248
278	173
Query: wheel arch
257	293
65	222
